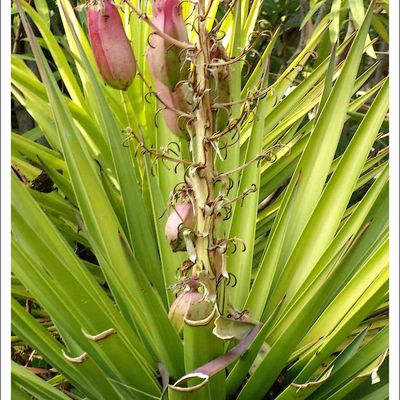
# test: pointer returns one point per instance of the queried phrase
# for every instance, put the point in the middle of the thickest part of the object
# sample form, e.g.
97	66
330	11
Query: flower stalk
196	102
203	177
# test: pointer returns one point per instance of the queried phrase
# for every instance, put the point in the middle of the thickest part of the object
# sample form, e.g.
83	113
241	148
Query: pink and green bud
190	305
181	308
165	59
181	218
111	48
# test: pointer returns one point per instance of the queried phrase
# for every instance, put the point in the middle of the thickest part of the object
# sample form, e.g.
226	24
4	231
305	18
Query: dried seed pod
111	48
181	217
165	59
220	85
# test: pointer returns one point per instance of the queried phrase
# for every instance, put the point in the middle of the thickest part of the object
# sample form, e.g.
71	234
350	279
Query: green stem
203	177
202	346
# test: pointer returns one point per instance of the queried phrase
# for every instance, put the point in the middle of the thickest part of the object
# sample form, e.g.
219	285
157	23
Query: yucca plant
189	227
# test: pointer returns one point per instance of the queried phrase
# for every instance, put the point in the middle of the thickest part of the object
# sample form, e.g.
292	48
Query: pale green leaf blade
307	182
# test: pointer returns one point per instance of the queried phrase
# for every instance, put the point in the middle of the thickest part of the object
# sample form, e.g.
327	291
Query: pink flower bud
111	48
181	217
165	60
176	99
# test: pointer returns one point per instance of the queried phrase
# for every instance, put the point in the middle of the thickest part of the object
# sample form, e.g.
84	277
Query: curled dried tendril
163	154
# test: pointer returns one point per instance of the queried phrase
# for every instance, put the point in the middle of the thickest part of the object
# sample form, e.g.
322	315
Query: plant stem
202	177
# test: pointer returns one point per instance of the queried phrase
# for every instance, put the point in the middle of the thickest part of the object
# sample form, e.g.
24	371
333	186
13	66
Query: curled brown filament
220	35
129	136
246	192
220	246
227	184
146	18
178	148
157	96
146	97
232	277
235	137
183	56
221	294
205	16
234	241
162	154
181	192
249	100
168	107
231	244
239	316
148	40
231	184
156	115
185	268
174	196
229	212
267	154
195	5
227	208
241	56
232	125
215	29
192	27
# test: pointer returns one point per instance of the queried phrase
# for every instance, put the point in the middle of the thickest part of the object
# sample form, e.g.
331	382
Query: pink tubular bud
181	217
111	48
173	99
165	60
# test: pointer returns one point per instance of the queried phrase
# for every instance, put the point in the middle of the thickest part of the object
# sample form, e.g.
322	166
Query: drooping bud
181	218
174	99
189	305
180	308
220	85
165	59
111	48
